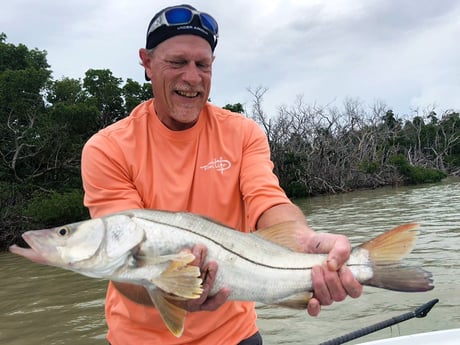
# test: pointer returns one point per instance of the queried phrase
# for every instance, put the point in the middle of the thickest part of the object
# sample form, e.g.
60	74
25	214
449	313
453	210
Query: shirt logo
218	164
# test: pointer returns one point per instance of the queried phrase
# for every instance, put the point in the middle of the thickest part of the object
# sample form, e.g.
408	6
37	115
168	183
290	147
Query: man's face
180	69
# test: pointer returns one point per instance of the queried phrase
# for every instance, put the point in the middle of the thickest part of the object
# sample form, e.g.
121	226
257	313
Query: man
177	152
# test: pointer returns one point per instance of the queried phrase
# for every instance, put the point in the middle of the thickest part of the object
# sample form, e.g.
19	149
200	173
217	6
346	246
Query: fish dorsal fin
172	315
181	279
285	234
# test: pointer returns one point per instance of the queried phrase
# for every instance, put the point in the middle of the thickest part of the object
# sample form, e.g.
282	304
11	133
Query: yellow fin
297	301
172	315
181	280
392	245
284	234
386	251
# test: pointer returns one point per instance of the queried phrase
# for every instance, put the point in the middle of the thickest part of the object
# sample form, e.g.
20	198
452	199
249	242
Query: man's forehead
185	51
188	42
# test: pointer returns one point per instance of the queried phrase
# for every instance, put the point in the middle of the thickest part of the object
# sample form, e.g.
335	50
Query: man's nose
191	73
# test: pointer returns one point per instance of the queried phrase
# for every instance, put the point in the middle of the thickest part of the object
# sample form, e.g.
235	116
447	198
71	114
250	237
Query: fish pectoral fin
144	258
181	280
172	315
297	301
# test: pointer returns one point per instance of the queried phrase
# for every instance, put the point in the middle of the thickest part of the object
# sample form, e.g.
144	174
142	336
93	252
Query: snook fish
145	247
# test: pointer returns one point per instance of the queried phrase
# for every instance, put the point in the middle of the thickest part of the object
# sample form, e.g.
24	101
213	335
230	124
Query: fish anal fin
392	245
298	301
181	280
172	315
285	234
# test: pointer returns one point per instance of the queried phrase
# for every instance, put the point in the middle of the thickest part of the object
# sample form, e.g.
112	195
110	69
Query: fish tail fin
385	253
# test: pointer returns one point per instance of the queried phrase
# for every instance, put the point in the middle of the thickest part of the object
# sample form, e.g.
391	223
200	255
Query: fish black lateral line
145	247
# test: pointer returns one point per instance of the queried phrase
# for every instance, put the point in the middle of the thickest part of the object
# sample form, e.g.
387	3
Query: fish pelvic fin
180	279
298	301
385	253
172	315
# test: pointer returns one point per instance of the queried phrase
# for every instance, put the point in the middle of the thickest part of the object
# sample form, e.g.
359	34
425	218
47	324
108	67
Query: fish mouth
28	253
40	251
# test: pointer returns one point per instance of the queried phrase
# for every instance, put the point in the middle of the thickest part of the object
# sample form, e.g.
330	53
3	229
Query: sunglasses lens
209	23
177	16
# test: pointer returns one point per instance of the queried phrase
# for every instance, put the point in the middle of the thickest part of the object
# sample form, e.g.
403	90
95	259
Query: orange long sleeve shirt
219	168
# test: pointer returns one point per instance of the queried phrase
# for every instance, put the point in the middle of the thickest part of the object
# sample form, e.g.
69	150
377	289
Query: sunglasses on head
182	16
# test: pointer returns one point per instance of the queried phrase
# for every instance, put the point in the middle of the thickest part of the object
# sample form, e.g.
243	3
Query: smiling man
178	152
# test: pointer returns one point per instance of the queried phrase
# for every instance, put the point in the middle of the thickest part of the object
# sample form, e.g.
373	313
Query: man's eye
177	62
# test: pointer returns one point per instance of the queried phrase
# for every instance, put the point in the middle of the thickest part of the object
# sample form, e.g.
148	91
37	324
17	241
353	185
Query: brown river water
46	305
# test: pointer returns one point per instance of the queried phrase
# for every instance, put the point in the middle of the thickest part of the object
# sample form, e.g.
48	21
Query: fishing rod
421	311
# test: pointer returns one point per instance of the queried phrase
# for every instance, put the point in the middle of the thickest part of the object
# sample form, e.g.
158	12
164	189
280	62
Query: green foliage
104	92
416	175
296	189
135	93
12	220
44	124
56	208
236	108
369	167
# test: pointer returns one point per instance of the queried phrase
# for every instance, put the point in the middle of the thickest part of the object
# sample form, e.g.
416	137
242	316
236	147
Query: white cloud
403	52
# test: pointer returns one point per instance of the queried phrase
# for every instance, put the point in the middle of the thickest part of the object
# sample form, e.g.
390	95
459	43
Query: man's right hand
208	275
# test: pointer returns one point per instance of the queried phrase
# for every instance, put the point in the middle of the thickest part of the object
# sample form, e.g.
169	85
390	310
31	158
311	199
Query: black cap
164	32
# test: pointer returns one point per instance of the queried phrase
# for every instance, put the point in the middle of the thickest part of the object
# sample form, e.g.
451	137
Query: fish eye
63	231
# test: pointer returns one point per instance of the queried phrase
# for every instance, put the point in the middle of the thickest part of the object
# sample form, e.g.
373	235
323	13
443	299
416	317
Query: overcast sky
404	53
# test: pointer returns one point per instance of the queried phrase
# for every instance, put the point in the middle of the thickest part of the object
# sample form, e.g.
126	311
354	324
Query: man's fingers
353	287
200	252
313	307
334	284
327	285
339	253
211	303
214	302
319	286
208	275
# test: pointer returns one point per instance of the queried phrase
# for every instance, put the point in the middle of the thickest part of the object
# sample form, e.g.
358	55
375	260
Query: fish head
94	247
67	245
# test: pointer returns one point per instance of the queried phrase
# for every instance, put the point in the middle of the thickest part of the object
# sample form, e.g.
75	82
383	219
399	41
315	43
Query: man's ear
145	56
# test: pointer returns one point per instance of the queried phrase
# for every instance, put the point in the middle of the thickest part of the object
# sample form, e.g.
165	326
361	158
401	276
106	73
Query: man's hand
208	275
332	282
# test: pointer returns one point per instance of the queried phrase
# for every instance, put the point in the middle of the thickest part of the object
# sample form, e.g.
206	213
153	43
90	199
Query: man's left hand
333	281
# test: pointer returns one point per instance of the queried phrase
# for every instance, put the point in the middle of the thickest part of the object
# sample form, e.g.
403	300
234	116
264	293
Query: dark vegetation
44	124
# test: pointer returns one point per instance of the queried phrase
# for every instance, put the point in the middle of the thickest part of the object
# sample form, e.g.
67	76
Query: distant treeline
319	150
45	122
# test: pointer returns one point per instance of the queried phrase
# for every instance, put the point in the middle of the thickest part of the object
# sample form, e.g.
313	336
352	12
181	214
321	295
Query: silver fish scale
252	267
